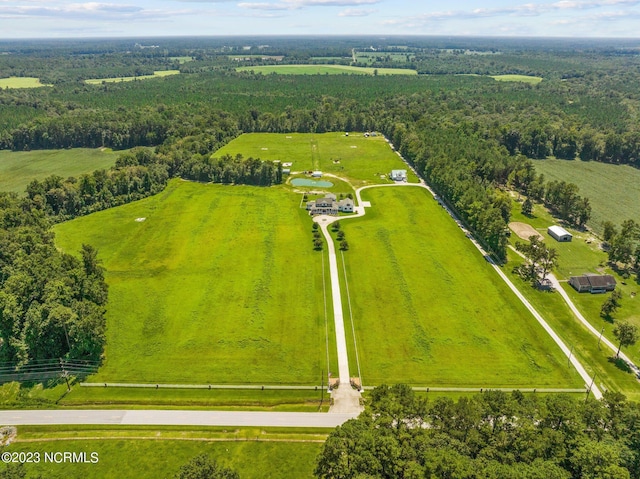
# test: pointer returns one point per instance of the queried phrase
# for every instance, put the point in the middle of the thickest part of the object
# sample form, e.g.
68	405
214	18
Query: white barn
559	234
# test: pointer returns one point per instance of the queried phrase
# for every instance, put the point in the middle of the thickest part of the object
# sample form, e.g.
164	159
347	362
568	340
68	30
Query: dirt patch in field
524	231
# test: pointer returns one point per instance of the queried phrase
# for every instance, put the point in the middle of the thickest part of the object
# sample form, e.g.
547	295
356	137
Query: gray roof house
593	283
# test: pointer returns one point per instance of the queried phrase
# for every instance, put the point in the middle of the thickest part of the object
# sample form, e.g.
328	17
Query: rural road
172	418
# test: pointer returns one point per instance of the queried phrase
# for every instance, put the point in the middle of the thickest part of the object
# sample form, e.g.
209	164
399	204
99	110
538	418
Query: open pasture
355	157
156	74
429	310
218	284
325	70
21	82
613	190
518	78
18	168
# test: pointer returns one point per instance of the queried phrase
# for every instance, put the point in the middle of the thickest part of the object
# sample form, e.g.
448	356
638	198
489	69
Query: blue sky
125	18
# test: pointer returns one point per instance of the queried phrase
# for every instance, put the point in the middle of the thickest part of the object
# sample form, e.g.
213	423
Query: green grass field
355	157
253	456
613	190
218	285
518	78
156	74
18	168
429	310
325	69
21	82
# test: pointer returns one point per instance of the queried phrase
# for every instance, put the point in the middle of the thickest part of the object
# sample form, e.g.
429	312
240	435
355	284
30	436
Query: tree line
488	436
52	304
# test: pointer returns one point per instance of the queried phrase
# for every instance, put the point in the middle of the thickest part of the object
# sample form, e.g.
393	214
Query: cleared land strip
198	386
172	418
479	390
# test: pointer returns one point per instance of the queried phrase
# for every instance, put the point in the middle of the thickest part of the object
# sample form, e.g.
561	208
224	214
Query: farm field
162	457
325	69
613	190
583	255
518	78
21	82
428	309
355	157
156	74
18	168
219	284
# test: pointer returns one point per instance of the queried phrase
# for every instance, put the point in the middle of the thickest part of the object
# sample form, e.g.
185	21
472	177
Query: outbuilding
399	175
559	234
593	283
316	174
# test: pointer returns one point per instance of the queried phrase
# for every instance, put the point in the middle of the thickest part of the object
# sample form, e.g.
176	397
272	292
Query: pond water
311	183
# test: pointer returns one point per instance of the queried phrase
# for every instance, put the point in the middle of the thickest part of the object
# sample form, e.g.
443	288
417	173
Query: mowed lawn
362	160
613	190
429	310
325	70
18	168
219	284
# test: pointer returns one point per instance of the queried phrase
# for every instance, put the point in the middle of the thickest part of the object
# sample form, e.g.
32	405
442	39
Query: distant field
18	168
518	78
219	284
613	190
156	74
325	69
429	310
21	82
370	57
355	157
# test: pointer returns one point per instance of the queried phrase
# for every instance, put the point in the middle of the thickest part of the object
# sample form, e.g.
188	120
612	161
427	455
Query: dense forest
471	137
490	435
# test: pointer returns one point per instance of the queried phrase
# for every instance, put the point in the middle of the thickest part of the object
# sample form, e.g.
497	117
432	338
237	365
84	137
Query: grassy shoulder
361	160
18	168
429	310
218	285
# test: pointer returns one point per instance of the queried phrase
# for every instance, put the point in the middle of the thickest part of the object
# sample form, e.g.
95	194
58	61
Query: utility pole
570	354
322	387
65	374
593	379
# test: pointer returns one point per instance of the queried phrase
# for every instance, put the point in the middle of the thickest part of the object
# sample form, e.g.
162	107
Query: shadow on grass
620	364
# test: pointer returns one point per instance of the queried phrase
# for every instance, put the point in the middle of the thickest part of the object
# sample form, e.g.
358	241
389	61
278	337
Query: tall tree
626	334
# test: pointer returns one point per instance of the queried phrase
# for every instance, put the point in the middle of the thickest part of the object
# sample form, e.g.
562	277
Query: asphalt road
172	418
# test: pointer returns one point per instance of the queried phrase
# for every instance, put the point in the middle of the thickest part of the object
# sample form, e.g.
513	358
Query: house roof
558	231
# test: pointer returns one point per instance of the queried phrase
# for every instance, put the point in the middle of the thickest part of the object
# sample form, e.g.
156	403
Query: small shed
316	174
559	234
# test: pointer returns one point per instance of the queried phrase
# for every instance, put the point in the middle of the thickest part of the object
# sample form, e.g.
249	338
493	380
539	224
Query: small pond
311	183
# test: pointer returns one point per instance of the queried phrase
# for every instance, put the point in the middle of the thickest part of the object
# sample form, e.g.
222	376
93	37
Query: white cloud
298	4
355	12
86	11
